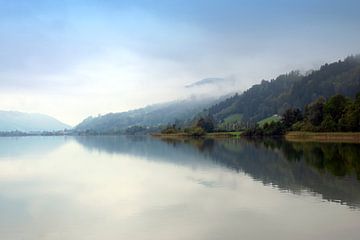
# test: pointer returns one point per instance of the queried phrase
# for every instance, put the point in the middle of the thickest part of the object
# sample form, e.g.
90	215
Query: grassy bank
346	137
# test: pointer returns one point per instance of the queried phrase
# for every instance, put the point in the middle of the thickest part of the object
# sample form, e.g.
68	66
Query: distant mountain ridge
29	122
291	90
150	116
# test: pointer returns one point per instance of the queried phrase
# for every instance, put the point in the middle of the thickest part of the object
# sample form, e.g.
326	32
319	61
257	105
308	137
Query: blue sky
72	59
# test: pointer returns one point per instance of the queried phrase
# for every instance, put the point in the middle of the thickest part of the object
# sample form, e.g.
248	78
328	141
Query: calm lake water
106	188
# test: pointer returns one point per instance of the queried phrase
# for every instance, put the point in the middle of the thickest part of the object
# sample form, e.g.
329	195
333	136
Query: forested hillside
291	90
151	116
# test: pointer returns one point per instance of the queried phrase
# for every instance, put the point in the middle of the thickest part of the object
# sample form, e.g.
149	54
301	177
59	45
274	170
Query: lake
107	187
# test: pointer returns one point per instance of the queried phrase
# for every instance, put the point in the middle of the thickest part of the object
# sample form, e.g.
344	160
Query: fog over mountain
28	122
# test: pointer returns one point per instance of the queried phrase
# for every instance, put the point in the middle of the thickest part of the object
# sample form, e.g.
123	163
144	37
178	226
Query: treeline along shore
335	119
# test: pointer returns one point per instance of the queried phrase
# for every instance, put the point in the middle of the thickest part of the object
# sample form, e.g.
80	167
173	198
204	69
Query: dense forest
337	114
292	90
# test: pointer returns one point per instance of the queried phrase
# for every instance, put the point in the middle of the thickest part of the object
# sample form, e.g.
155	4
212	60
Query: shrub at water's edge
198	129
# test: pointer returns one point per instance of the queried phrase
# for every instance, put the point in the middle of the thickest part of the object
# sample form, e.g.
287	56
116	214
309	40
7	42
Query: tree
206	123
314	112
350	120
170	129
335	107
328	124
291	116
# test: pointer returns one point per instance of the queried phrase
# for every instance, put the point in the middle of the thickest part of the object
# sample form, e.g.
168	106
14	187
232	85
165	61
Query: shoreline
292	136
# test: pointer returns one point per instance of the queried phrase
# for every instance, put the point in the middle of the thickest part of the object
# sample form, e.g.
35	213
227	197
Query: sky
73	59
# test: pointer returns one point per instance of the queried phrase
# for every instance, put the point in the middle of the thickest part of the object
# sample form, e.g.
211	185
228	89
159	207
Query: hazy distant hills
151	116
29	122
291	90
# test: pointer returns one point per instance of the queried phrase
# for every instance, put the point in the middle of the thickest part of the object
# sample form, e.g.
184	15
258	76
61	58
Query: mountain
29	122
150	116
291	90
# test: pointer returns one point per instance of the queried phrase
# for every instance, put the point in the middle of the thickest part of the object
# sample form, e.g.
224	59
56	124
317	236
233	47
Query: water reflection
329	169
144	188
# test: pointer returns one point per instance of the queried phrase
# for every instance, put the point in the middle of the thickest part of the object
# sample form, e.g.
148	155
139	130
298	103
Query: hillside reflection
329	169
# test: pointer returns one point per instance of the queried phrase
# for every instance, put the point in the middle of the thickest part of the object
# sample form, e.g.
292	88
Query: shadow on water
329	169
